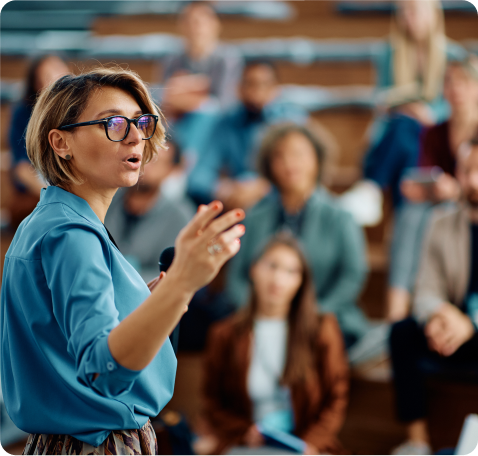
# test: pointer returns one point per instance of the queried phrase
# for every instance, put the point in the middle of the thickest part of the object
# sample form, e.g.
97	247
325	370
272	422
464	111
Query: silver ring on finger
214	248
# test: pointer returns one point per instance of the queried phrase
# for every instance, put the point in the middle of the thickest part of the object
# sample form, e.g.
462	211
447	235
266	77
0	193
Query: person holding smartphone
424	188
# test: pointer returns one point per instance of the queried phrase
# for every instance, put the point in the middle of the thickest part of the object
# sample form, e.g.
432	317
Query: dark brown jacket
319	407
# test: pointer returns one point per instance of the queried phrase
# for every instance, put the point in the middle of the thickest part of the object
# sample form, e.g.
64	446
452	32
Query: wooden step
316	19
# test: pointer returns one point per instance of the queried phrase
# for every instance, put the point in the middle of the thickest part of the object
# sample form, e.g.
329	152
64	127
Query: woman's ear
59	142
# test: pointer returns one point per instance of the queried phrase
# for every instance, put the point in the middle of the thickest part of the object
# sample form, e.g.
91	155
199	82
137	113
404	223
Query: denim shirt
65	287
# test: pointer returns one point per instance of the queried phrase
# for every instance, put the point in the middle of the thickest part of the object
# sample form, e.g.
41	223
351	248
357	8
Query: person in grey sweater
292	159
205	67
442	336
143	222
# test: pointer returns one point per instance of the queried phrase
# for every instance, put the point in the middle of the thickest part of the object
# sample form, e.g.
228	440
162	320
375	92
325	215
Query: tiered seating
385	7
52	15
322	65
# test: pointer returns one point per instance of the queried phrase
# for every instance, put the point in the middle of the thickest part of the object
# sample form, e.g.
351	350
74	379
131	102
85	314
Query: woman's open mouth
133	162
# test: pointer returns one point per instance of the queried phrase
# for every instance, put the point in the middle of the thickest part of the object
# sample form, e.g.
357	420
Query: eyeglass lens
117	127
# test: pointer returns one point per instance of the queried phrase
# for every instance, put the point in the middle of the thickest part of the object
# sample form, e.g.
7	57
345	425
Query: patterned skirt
135	441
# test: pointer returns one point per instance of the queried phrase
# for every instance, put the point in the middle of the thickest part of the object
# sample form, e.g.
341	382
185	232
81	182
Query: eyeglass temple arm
82	124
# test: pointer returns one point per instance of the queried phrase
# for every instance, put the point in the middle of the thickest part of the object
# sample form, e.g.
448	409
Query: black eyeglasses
117	127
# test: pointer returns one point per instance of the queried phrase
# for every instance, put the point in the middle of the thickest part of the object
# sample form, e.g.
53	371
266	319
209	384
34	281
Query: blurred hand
448	330
193	265
243	194
253	438
398	304
311	449
446	188
152	284
419	111
414	192
185	93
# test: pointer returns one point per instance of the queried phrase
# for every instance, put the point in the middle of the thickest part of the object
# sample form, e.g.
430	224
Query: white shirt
266	369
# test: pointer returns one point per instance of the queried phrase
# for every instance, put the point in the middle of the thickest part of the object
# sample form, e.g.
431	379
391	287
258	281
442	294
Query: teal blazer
333	244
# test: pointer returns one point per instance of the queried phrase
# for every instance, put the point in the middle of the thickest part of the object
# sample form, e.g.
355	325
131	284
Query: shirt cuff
113	379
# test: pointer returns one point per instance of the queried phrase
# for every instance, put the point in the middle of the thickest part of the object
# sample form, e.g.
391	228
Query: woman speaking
85	356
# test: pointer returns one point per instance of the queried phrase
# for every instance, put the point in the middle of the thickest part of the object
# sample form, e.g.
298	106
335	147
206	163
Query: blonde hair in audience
303	319
404	57
63	102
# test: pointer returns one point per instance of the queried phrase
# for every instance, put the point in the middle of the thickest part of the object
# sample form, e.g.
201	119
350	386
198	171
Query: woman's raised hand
205	244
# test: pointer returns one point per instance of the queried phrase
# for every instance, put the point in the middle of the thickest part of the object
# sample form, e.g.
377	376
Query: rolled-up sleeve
76	264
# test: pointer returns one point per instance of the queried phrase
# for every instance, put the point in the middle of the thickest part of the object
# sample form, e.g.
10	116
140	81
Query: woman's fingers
203	217
227	239
216	227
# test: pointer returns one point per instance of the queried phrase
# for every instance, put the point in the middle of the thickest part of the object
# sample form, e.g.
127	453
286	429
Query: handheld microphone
165	260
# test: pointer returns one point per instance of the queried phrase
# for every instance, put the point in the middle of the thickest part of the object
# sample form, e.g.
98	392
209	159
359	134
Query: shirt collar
54	194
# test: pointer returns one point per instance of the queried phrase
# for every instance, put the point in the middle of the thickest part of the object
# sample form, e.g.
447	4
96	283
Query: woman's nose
134	135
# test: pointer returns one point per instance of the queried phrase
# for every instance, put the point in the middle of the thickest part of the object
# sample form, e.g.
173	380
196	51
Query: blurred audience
142	221
277	363
27	184
205	68
442	337
292	160
411	68
227	169
439	148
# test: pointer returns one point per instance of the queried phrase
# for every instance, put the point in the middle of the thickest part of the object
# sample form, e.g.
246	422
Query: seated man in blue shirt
227	169
443	336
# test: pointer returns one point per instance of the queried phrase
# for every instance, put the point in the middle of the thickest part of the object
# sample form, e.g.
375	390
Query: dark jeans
398	150
206	308
413	362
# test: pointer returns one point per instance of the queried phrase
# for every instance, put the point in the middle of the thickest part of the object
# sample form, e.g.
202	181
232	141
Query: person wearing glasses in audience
85	357
277	363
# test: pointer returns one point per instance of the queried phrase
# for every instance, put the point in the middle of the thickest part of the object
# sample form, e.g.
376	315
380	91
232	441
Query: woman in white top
277	363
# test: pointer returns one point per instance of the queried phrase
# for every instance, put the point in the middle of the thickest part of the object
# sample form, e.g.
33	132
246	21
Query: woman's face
258	87
49	70
103	163
276	279
199	25
294	163
417	17
460	89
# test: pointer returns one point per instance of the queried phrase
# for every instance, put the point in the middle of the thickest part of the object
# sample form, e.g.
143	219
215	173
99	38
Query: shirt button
110	366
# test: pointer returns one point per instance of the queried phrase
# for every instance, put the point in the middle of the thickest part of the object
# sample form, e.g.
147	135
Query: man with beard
443	335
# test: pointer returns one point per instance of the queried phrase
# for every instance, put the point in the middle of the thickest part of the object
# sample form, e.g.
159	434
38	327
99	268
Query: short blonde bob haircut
63	102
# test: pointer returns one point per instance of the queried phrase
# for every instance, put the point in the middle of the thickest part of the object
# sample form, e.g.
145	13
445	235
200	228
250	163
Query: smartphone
424	176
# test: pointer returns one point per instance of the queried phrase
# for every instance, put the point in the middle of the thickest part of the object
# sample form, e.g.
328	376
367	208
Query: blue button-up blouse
65	287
